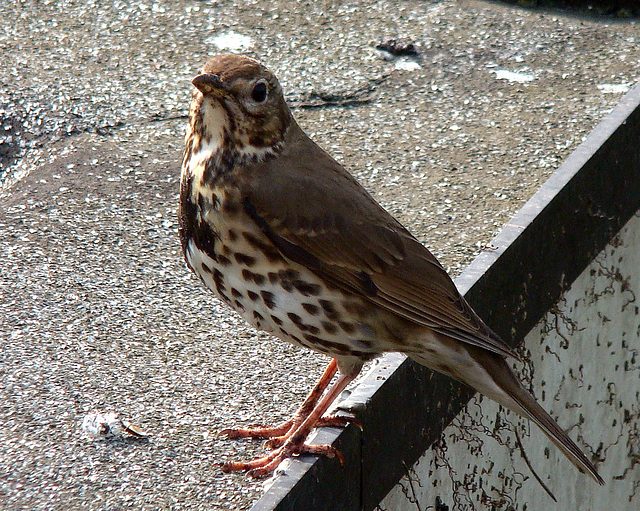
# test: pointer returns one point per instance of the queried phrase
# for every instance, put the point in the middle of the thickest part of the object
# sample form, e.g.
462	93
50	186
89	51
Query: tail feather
530	409
518	399
490	374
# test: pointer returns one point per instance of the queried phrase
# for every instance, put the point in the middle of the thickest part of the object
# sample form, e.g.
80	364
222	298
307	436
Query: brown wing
313	210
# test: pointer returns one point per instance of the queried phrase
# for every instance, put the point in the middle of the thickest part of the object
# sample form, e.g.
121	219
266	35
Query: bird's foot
264	466
258	431
290	437
330	421
278	435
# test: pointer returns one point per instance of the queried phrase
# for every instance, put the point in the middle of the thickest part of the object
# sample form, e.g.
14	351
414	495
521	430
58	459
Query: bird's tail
523	403
490	374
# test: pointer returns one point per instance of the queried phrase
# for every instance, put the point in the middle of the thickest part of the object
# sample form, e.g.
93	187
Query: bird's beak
208	83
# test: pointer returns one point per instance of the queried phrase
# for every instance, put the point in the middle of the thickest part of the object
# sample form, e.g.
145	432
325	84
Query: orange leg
297	430
277	435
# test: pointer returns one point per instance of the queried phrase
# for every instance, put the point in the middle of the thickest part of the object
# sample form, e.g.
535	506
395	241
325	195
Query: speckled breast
272	293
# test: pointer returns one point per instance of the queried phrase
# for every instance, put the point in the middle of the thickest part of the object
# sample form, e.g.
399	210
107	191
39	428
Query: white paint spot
614	88
103	425
231	41
503	74
407	65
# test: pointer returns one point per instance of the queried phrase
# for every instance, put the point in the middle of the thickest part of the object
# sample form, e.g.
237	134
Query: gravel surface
97	310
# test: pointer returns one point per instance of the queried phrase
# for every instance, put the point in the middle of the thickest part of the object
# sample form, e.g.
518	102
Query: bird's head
239	103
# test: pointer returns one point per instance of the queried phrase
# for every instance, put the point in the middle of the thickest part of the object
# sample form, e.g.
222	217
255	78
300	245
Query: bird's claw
264	466
332	421
256	431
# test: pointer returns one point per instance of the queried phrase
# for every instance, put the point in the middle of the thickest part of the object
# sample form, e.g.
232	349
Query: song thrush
284	235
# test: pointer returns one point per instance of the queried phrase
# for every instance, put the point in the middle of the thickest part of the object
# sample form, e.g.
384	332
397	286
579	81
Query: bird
283	234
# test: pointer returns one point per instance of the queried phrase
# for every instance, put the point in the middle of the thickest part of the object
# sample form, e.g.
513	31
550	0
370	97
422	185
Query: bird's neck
215	146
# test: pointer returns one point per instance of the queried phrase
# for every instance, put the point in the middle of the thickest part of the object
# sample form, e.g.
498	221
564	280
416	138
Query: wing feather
335	228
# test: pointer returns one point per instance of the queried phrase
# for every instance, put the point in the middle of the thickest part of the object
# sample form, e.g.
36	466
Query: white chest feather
279	297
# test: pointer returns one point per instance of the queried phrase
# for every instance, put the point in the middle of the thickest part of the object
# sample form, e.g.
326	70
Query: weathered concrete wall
582	364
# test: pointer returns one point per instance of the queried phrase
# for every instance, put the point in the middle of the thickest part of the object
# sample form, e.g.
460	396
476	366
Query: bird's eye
259	92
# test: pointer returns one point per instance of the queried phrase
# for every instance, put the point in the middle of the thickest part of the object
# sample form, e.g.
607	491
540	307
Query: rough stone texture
97	311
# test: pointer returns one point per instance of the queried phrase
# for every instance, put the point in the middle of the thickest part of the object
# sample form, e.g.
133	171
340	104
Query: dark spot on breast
203	237
216	167
253	296
297	320
273	255
232	235
266	247
258	316
329	309
286	285
337	348
290	336
223	260
289	274
253	240
206	269
218	280
276	320
187	214
347	327
330	328
307	289
311	308
235	293
333	347
239	305
268	299
315	339
287	278
249	276
244	259
206	204
273	277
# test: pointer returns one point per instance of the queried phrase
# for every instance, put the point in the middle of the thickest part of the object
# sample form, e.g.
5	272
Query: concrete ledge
404	407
